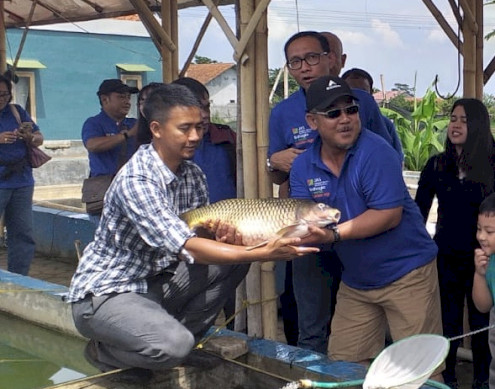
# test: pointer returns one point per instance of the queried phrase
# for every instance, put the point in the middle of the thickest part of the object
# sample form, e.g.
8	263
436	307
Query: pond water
33	357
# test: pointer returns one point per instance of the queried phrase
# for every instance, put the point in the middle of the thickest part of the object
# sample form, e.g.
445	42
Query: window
24	92
137	81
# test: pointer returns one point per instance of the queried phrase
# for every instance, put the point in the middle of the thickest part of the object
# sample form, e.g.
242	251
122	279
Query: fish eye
321	206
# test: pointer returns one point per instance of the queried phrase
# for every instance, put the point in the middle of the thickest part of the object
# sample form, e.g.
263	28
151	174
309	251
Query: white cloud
389	37
437	36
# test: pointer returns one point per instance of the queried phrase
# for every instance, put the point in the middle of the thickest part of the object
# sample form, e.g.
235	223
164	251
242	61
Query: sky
396	41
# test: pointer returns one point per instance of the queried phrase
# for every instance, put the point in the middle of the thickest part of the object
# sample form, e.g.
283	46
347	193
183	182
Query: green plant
423	133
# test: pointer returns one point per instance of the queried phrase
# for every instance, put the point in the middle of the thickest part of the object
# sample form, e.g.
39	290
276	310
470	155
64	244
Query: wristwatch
269	165
336	234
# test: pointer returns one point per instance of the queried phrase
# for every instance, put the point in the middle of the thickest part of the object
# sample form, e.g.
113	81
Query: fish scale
259	220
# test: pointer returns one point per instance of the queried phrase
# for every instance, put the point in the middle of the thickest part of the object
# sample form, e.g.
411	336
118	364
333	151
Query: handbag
36	156
93	192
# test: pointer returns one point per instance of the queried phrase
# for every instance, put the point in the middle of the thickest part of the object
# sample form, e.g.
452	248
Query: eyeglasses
335	113
4	94
311	59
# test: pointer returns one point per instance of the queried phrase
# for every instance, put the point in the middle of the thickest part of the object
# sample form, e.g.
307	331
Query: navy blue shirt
16	151
371	178
288	127
106	162
217	165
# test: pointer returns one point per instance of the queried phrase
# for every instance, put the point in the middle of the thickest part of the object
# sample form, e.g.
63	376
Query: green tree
279	91
423	133
202	60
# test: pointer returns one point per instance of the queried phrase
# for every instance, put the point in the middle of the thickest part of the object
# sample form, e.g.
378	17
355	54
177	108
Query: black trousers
455	273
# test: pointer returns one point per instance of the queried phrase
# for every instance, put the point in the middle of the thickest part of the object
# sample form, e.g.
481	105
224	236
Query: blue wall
76	63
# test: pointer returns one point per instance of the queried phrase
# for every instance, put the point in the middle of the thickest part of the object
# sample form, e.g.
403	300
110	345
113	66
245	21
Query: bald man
336	48
369	112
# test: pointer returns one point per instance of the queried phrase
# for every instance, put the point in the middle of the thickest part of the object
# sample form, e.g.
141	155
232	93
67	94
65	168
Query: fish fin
293	230
264	243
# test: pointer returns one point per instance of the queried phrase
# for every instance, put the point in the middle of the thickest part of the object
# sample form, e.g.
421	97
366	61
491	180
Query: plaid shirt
140	233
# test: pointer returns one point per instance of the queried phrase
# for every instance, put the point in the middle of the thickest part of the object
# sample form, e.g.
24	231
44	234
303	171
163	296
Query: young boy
484	275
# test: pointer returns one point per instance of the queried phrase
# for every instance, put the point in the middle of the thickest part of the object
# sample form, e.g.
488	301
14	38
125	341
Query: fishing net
407	363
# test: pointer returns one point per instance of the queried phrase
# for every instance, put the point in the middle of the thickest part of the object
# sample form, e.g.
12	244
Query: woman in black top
461	177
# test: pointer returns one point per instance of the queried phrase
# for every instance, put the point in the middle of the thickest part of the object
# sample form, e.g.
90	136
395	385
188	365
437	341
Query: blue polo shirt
15	151
288	127
214	161
106	162
371	178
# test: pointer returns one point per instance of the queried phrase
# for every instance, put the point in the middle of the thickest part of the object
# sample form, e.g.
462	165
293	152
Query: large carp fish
260	220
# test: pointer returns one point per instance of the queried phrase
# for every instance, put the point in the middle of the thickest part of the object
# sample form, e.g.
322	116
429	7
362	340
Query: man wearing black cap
389	266
109	136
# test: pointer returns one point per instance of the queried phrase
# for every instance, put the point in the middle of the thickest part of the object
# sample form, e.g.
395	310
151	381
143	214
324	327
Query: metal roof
59	11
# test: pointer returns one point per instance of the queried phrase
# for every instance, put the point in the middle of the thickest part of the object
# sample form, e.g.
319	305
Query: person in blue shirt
381	240
361	79
484	275
216	156
110	136
309	55
147	288
16	181
216	153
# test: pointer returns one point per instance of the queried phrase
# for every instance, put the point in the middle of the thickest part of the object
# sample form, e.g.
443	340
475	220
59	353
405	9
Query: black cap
324	91
115	85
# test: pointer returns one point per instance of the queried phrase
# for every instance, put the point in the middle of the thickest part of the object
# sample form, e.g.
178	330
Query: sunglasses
335	113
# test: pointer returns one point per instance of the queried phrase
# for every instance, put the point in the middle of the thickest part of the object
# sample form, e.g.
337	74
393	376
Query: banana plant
422	134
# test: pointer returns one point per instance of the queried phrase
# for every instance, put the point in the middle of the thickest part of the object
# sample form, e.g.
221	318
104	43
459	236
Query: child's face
486	233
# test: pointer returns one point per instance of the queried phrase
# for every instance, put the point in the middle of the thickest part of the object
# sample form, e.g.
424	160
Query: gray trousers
157	330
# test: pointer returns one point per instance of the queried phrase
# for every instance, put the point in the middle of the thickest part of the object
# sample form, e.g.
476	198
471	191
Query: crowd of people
147	288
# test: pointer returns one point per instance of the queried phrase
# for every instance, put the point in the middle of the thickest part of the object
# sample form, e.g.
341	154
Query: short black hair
323	41
487	207
194	86
360	73
162	99
8	82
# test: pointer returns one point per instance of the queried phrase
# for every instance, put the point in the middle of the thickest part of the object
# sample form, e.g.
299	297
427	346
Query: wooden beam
469	16
455	11
222	22
23	38
259	12
489	70
478	9
3	52
146	14
444	25
196	44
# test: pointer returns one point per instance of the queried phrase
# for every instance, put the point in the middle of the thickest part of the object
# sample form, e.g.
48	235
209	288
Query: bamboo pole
152	24
268	289
260	12
3	49
222	22
479	50
167	72
250	161
174	34
241	293
469	73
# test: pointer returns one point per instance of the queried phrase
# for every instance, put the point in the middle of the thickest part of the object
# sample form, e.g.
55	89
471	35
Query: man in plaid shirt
147	288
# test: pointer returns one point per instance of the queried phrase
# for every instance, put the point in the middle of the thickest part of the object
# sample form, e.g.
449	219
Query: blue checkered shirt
140	233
